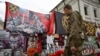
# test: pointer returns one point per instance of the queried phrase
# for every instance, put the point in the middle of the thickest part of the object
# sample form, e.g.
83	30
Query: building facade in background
89	9
1	24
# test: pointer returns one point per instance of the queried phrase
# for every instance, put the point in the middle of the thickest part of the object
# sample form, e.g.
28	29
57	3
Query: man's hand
73	49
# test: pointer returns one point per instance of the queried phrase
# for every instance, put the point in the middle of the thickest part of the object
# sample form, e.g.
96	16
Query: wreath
90	28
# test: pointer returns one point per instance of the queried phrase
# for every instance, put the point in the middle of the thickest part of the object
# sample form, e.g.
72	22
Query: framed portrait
18	52
5	52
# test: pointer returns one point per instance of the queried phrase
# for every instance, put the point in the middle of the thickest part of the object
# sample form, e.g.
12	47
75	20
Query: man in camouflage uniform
72	23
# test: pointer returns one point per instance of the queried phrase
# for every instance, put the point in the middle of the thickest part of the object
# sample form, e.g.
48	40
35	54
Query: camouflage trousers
67	52
78	45
78	52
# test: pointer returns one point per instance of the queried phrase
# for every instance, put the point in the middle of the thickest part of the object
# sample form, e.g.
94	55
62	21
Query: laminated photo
5	52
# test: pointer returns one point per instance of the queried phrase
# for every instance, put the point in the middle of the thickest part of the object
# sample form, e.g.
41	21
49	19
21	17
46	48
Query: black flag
58	22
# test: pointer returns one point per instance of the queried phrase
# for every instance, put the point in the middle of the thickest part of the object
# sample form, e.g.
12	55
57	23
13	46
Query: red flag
13	17
52	17
19	19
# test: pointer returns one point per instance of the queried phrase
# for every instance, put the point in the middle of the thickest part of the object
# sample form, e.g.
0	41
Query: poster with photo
34	45
12	40
37	23
18	52
5	52
16	41
19	19
4	36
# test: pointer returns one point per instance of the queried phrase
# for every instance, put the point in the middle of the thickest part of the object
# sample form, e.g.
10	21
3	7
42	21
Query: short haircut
67	6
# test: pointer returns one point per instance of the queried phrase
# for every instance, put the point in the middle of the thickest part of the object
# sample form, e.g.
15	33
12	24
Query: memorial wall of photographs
27	32
42	44
38	44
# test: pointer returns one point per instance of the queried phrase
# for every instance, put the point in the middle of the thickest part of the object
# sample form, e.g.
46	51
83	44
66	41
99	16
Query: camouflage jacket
73	24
